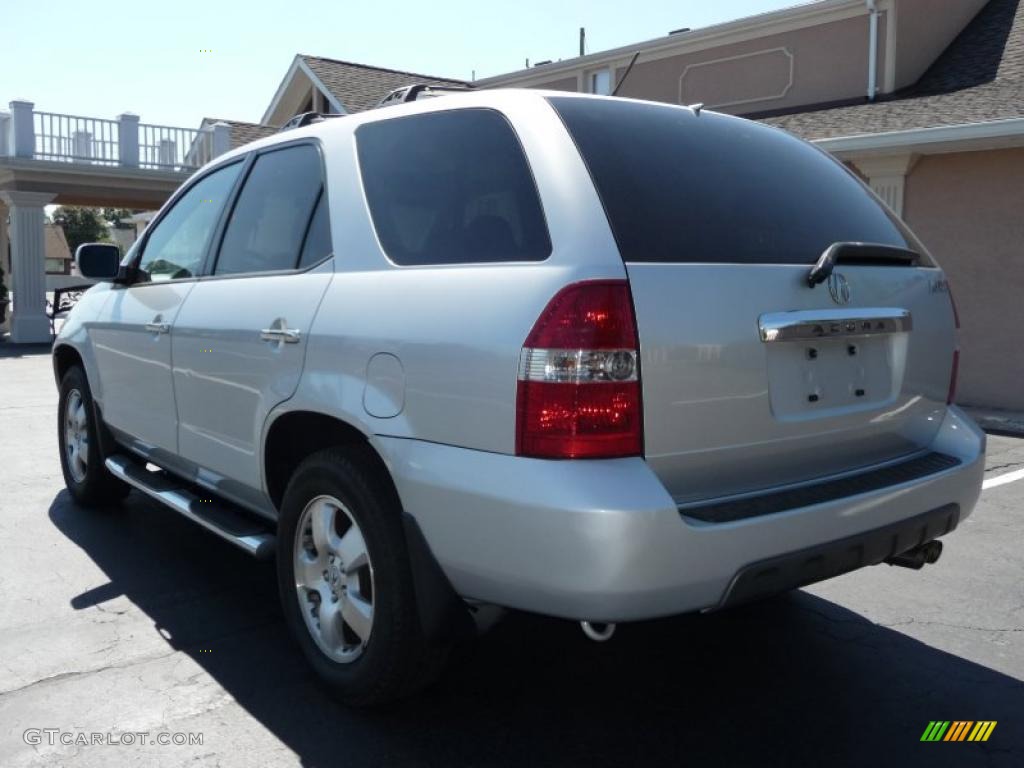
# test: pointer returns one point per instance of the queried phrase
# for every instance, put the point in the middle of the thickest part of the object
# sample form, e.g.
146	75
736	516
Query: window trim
213	253
593	73
912	241
450	265
183	190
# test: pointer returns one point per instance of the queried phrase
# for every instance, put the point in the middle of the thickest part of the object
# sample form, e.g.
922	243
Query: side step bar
215	516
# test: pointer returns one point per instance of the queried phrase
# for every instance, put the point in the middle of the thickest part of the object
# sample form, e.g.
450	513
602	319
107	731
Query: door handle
157	326
286	335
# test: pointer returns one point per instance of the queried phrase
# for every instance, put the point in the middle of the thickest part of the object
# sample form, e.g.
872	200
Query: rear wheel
78	434
345	581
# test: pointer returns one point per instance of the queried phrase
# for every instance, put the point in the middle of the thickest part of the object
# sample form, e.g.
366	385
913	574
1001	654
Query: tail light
951	396
955	372
578	393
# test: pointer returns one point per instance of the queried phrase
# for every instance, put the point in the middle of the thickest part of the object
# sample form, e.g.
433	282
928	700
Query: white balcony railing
167	148
70	138
124	142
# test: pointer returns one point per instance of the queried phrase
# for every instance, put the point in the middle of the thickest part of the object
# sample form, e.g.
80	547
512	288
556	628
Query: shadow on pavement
10	349
794	681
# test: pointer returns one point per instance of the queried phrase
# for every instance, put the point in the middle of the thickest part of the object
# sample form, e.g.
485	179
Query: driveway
134	620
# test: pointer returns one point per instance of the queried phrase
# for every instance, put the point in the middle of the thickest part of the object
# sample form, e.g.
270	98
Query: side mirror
98	261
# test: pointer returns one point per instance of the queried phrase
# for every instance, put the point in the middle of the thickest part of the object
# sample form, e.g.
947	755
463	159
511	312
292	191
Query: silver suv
594	358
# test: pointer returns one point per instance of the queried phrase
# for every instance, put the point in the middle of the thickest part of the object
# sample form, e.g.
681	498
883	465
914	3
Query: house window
601	82
57	266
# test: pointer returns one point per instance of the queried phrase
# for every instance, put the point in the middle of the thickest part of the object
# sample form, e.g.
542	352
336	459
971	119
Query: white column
5	135
3	259
128	140
166	152
221	139
29	323
23	140
81	144
5	324
887	176
3	243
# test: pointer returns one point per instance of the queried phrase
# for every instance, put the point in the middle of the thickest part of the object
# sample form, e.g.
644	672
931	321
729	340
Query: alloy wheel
334	579
76	435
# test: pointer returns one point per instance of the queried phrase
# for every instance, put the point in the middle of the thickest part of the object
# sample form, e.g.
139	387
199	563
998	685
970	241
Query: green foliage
114	215
80	225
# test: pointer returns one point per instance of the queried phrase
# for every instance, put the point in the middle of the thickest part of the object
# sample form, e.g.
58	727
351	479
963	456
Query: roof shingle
978	78
359	87
242	132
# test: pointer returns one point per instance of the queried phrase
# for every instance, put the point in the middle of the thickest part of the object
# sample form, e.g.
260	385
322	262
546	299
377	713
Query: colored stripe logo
958	730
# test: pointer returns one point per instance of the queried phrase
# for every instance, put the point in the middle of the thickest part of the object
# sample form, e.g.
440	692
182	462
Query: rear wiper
858	253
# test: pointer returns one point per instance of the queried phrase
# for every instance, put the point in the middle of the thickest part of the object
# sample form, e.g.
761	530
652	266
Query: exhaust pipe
918	557
598	632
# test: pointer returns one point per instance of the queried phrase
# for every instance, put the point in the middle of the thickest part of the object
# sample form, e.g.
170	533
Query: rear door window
680	187
268	226
451	188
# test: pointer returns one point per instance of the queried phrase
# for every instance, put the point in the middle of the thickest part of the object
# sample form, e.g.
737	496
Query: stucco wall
923	30
827	62
563	84
968	208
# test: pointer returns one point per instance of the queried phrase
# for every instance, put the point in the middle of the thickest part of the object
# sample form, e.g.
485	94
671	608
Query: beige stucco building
923	98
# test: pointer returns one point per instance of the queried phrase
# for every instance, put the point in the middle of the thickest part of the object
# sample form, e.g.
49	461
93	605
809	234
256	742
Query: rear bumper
604	541
817	563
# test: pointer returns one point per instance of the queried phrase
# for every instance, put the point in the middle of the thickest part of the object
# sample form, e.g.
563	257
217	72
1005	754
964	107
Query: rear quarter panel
456	330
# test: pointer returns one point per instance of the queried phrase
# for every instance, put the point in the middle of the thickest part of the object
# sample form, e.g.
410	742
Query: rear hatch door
752	378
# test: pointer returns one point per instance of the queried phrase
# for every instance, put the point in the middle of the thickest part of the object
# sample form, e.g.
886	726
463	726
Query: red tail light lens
951	396
579	381
955	372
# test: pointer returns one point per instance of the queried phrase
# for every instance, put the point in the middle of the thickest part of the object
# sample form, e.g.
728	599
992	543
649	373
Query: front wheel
81	460
345	581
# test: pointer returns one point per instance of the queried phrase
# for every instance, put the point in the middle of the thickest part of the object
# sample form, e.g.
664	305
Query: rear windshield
451	188
679	187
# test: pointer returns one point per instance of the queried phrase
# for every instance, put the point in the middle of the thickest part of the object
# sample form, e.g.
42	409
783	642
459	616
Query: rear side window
318	239
679	187
268	225
451	188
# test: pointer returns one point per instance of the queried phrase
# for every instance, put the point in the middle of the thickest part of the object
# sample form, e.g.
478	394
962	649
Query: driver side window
177	245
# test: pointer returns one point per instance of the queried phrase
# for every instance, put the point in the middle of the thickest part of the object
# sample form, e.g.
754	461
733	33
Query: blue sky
146	57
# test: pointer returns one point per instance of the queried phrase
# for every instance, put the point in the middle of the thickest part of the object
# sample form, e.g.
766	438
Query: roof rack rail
417	91
306	118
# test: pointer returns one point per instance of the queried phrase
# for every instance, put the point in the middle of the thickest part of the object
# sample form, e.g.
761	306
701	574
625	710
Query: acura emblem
838	288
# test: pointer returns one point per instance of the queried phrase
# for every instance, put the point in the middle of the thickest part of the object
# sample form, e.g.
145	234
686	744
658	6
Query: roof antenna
626	73
697	108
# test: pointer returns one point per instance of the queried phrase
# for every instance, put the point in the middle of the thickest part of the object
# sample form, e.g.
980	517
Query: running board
214	515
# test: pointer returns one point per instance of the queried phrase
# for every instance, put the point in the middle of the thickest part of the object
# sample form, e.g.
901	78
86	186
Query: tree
114	215
80	225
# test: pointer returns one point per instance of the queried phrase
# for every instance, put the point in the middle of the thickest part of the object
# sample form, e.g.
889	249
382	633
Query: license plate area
827	377
828	363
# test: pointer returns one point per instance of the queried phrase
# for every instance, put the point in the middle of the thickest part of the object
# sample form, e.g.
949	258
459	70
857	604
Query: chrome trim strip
259	545
816	324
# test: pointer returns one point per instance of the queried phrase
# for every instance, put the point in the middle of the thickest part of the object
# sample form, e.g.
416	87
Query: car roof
492	98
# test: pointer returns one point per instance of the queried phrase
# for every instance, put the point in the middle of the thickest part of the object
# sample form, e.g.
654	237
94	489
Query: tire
358	519
78	435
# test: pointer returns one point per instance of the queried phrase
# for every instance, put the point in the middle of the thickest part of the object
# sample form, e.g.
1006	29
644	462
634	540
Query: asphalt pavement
133	620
